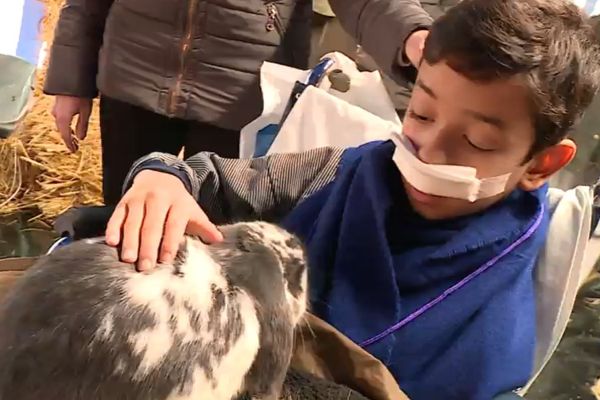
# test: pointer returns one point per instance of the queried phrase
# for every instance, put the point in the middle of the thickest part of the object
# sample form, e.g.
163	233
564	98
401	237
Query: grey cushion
16	92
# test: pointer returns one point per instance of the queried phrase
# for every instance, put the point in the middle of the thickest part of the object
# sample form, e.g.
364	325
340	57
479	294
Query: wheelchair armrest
83	222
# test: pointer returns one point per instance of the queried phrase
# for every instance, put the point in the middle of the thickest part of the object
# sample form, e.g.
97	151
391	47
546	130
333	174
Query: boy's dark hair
550	43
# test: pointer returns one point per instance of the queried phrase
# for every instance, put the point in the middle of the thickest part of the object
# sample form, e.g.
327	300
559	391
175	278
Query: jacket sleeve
381	27
265	188
73	63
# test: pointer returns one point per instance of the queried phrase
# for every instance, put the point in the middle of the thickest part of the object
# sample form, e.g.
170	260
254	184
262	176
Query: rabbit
216	323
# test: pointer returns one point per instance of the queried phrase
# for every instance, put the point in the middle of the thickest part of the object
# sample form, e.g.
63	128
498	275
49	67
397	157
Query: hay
38	173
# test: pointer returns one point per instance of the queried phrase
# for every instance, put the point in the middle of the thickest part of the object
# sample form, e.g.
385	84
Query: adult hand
414	45
156	207
64	110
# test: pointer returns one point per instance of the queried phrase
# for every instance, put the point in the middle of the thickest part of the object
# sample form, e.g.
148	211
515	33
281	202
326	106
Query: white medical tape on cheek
444	180
446	187
489	187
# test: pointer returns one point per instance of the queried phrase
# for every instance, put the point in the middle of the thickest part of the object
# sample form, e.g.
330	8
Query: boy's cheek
525	180
446	208
543	166
530	183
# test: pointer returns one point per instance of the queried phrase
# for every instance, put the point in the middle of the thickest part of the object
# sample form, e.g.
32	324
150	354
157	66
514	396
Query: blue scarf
447	306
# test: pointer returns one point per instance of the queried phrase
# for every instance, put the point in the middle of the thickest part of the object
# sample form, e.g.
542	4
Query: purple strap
458	285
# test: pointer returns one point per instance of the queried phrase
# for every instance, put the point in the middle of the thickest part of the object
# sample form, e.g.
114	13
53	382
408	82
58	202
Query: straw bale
38	173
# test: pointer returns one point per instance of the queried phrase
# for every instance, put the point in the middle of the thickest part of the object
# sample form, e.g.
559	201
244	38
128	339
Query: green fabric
16	90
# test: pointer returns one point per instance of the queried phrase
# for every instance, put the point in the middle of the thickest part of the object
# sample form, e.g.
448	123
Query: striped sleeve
265	188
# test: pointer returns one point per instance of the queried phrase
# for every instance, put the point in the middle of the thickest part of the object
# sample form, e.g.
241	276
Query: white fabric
319	119
19	25
592	7
454	181
560	269
11	18
322	116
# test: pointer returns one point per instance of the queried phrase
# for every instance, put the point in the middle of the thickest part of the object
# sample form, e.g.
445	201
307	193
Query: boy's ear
547	163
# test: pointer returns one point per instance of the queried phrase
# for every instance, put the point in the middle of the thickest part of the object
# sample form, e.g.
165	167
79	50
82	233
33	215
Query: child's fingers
152	232
200	225
175	225
115	224
131	231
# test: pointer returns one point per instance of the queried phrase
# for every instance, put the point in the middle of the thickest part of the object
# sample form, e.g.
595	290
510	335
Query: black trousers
129	132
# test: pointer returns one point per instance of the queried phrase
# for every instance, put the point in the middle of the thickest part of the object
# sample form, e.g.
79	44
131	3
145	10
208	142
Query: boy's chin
435	213
440	208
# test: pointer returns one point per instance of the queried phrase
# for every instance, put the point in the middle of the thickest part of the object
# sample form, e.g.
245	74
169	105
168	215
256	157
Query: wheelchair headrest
560	269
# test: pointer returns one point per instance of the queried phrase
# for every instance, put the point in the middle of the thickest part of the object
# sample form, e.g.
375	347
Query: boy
427	267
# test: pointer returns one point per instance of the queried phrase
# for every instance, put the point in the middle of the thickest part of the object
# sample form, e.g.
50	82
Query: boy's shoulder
353	154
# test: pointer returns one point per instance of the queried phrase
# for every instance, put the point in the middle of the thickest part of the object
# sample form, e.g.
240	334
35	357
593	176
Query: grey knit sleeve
265	188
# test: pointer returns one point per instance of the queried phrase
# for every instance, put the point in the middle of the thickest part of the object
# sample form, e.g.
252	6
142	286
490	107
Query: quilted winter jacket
200	59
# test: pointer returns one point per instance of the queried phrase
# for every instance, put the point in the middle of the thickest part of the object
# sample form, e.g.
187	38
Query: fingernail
144	265
129	256
218	235
166	258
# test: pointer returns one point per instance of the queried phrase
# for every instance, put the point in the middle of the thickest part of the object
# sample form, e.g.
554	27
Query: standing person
175	73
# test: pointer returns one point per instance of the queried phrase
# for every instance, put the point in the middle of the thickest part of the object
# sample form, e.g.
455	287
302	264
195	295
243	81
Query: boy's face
487	126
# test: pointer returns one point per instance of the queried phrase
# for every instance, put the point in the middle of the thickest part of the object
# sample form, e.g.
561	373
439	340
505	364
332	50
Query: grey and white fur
218	322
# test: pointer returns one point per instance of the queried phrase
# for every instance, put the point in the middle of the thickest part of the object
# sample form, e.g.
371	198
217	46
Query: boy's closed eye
475	144
419	117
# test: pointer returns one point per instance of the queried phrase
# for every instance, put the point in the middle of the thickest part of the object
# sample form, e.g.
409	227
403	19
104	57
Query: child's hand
157	206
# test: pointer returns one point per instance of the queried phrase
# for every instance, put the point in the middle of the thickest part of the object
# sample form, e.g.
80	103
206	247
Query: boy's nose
431	152
429	146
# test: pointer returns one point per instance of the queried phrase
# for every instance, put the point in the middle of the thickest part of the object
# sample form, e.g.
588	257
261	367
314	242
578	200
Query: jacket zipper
274	19
185	47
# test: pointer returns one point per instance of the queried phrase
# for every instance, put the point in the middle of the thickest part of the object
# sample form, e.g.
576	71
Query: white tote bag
322	116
